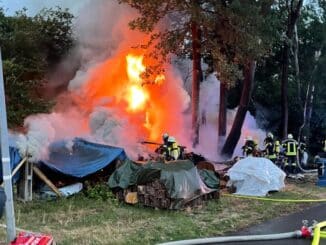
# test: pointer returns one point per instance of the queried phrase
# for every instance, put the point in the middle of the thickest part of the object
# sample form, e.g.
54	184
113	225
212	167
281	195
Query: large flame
136	94
130	106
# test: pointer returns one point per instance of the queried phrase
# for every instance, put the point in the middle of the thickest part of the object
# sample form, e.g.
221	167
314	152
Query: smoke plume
106	101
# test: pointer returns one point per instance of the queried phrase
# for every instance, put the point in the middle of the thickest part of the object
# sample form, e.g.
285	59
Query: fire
136	96
135	67
159	79
134	107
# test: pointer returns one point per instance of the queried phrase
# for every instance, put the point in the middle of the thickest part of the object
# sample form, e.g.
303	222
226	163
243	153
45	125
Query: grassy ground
97	218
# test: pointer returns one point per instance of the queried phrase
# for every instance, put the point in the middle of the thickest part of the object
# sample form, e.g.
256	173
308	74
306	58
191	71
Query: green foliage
312	38
99	191
21	95
30	47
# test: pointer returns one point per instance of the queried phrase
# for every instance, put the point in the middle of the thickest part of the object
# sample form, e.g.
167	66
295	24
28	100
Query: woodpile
154	194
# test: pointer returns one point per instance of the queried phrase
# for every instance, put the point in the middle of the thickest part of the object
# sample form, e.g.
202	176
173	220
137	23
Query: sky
34	6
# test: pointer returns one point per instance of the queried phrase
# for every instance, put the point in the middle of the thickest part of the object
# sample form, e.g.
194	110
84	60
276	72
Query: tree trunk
222	110
222	116
284	90
294	13
235	133
196	75
296	63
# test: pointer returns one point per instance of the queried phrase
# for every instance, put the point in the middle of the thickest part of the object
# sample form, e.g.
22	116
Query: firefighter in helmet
173	149
250	147
270	147
290	148
163	149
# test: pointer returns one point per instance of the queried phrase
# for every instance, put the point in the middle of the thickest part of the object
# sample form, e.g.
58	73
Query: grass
84	219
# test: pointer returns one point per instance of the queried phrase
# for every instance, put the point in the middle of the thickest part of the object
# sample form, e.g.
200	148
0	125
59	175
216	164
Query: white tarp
255	176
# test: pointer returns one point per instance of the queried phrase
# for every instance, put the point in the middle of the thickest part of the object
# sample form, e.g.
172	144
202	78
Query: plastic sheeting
80	158
181	178
15	159
256	176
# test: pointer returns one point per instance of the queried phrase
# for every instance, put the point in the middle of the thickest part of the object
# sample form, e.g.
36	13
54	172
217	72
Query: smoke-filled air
108	100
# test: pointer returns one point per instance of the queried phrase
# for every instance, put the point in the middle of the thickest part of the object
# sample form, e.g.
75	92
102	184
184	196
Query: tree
293	8
31	45
232	31
259	14
235	132
266	97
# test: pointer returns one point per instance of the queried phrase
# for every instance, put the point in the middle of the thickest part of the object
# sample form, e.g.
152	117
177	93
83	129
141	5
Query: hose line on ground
274	199
293	234
318	233
305	170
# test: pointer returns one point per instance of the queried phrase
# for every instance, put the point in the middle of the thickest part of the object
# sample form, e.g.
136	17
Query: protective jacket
249	147
290	147
173	150
269	148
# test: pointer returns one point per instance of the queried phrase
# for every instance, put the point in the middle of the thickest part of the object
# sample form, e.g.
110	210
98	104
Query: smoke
95	105
209	145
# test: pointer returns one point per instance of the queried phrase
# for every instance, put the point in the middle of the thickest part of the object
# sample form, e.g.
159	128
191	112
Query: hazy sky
33	6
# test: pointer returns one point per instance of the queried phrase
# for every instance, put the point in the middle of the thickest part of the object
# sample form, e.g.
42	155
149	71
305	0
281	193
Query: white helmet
270	135
171	139
249	138
165	136
290	136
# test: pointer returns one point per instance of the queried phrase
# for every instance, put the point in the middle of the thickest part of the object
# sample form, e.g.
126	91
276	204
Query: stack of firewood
154	194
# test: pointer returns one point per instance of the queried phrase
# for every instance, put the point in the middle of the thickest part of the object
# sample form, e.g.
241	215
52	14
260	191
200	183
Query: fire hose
274	199
314	232
305	170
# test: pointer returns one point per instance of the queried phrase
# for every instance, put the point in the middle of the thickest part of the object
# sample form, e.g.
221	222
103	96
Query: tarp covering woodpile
181	179
256	176
79	158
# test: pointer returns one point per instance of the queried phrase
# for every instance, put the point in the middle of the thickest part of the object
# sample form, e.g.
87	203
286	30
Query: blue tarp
81	158
14	160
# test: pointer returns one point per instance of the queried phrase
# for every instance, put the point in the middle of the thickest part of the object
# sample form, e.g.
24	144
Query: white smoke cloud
100	39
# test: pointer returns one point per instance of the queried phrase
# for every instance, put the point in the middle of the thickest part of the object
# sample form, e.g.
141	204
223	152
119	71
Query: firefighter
290	148
303	155
270	147
277	148
163	149
173	149
250	147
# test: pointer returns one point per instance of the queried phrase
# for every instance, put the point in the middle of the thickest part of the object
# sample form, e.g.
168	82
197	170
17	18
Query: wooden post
42	176
25	184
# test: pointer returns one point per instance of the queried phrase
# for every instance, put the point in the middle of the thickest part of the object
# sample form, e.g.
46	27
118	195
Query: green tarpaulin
181	178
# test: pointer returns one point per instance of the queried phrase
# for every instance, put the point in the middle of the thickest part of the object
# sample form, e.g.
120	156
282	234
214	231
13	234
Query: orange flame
136	95
146	107
135	67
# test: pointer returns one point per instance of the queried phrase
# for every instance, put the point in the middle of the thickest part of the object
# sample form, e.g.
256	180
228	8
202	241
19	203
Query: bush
99	191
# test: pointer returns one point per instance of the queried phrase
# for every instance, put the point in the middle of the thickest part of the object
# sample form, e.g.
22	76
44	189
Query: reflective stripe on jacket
290	147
